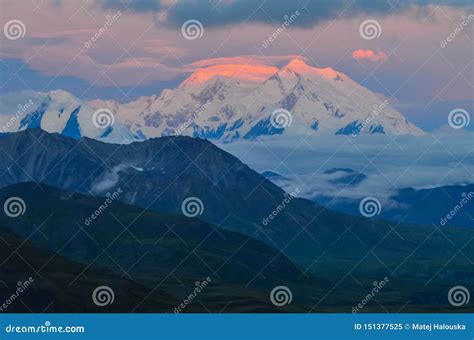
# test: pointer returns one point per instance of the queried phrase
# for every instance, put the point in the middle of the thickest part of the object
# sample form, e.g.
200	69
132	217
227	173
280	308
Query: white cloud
390	163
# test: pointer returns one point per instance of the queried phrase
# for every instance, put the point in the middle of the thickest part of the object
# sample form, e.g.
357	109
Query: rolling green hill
148	252
344	254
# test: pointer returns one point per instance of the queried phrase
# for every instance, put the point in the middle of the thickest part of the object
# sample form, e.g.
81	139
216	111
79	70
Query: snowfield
223	103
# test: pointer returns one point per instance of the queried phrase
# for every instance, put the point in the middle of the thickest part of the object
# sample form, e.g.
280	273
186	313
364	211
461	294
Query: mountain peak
61	95
300	67
297	64
256	73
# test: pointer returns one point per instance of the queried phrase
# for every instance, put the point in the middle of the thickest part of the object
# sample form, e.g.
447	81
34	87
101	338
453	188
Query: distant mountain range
422	206
161	174
224	103
406	205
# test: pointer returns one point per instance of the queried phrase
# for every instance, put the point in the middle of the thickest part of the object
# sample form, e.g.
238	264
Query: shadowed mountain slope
160	174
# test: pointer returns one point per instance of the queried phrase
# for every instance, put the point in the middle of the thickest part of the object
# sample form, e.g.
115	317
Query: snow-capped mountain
230	102
61	112
227	102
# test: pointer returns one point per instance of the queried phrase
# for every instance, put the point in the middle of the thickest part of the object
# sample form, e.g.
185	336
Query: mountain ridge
227	102
160	174
154	251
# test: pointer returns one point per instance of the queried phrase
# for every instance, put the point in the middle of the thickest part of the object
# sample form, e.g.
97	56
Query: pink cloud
246	59
249	72
369	54
139	49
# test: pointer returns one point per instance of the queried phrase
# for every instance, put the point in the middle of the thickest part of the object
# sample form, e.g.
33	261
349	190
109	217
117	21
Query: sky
418	53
